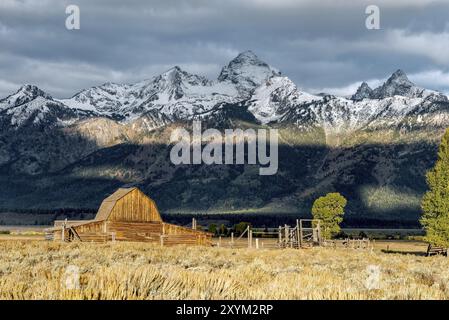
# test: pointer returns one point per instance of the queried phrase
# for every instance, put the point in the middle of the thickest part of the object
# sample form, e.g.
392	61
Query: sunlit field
39	270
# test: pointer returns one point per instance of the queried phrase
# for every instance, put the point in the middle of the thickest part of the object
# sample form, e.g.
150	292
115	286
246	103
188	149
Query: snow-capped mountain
25	94
247	81
247	72
368	146
31	105
176	93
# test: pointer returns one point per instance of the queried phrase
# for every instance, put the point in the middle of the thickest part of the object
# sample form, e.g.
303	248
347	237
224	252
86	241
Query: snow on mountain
107	98
25	94
246	81
31	105
275	97
399	85
178	94
363	92
175	93
247	72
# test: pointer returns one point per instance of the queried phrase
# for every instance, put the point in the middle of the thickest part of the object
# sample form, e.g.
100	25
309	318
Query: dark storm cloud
321	45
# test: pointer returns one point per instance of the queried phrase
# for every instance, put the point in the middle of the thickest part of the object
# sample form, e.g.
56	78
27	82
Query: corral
127	215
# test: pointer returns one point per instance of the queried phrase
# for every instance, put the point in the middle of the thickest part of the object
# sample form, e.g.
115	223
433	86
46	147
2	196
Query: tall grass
36	270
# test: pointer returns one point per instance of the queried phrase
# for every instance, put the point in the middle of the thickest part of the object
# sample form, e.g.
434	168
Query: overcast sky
321	45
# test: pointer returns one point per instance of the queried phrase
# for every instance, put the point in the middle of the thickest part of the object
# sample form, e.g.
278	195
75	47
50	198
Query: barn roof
108	204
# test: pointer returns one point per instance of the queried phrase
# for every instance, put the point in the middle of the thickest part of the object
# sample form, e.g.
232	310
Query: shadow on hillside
305	171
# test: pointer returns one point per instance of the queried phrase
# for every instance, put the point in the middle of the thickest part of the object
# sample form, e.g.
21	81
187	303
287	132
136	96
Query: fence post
162	240
232	239
286	235
257	243
280	236
250	238
219	241
298	239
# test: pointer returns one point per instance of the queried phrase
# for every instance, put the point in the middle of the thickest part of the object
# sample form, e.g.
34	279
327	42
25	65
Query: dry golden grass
36	270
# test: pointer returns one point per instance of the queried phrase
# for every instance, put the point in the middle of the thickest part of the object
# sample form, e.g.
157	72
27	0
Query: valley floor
47	270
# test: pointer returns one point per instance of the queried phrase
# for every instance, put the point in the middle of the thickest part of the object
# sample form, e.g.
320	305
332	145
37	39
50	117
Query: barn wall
94	231
132	231
175	234
131	216
135	207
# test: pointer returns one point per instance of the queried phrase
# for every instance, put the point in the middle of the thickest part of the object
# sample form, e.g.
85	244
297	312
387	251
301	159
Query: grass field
39	270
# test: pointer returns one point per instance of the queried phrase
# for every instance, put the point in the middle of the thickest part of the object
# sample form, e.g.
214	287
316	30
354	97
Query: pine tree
435	203
330	210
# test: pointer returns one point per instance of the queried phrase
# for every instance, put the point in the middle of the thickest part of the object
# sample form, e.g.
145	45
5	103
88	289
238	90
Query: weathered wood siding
132	231
135	207
129	215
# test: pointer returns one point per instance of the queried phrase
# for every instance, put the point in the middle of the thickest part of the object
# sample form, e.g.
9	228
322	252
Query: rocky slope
374	147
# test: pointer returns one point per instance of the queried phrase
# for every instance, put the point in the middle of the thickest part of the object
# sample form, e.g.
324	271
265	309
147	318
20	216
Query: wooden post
113	236
232	239
64	225
300	233
193	223
298	238
280	236
257	243
162	240
250	240
286	235
219	241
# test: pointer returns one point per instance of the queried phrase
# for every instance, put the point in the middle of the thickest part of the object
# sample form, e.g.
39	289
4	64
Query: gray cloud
318	44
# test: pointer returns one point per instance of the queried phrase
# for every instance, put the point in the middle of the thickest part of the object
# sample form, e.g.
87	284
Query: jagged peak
174	69
399	74
32	90
247	71
364	85
175	75
364	91
247	57
398	84
24	94
248	54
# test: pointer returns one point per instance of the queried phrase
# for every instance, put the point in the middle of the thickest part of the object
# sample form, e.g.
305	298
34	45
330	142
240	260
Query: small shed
128	215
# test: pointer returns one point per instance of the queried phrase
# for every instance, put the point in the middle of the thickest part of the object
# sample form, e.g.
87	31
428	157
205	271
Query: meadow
39	270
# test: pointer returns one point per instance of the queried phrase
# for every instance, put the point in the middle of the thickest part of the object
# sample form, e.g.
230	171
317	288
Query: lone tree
435	203
330	210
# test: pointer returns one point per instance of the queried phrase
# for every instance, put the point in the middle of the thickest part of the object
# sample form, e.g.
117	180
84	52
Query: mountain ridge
373	147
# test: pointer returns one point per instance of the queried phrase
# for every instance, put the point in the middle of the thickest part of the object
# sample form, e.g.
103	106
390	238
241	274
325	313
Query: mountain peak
25	94
247	72
248	54
363	92
399	74
398	85
33	91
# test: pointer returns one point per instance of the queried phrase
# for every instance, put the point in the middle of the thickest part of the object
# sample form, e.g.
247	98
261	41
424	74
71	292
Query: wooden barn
127	215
